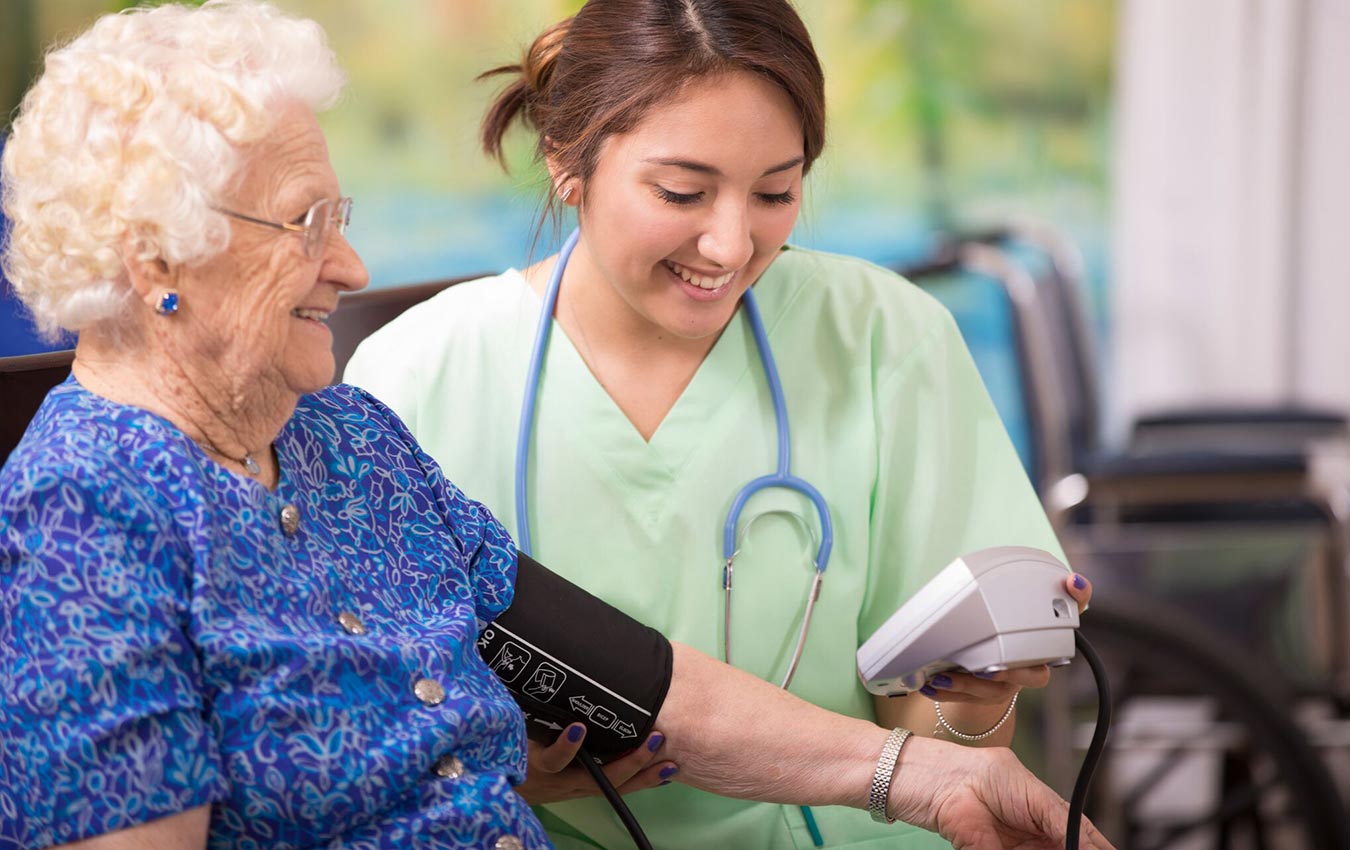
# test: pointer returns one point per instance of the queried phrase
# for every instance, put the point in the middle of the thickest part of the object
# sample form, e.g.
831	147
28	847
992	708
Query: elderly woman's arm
736	735
183	831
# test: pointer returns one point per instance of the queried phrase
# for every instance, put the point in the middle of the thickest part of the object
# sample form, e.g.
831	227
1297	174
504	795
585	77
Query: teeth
316	315
699	280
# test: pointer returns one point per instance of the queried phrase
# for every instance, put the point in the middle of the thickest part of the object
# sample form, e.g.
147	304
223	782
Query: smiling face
683	213
256	312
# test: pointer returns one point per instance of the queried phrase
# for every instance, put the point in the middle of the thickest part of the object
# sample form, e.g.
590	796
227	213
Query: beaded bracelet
942	722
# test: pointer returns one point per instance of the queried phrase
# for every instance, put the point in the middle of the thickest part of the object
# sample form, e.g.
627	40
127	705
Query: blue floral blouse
173	634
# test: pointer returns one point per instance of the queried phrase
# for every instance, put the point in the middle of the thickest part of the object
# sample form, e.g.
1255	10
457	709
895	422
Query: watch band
881	779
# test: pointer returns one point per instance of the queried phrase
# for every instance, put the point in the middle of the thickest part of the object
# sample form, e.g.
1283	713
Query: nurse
680	133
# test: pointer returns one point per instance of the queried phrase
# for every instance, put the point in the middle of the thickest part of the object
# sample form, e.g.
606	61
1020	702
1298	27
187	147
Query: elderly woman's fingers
1091	837
1080	589
1000	804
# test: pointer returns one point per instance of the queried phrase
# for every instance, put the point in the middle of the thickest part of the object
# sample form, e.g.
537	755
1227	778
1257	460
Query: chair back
1061	282
24	382
362	313
26	379
1038	374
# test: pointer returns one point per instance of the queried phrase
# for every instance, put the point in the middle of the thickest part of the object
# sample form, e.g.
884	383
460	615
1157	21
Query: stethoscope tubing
781	477
527	406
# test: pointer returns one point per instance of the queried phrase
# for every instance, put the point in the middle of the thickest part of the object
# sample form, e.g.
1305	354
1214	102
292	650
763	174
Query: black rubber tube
615	799
1094	751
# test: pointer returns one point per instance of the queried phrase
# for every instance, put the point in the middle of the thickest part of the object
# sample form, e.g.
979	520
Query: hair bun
542	57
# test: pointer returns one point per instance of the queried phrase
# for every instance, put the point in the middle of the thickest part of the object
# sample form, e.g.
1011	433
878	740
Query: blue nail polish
1079	582
927	690
668	771
575	731
654	742
980	675
942	680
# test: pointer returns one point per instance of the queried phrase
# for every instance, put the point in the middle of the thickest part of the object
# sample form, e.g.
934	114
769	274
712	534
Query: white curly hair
134	128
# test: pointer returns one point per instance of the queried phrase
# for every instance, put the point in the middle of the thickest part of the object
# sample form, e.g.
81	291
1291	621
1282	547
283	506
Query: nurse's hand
997	689
552	776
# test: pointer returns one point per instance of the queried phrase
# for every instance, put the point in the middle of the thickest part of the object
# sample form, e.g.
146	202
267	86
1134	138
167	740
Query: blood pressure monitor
988	611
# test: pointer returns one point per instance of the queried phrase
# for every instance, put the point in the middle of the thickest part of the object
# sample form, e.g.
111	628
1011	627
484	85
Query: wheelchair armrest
1206	417
1238	430
1179	464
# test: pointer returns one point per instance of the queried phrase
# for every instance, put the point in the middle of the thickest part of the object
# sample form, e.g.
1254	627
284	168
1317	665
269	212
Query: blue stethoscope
782	477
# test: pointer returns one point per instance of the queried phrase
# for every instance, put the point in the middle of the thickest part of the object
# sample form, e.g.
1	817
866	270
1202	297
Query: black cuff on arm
567	656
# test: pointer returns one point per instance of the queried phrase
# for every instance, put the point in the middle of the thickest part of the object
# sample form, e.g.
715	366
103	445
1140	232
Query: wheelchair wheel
1204	753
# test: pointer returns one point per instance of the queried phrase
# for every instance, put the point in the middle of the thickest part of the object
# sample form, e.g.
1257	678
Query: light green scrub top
889	420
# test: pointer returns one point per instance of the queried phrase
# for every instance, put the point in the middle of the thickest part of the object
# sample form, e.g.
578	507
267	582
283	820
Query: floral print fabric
165	643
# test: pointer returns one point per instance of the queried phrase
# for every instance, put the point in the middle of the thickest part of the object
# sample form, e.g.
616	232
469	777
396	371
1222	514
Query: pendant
251	465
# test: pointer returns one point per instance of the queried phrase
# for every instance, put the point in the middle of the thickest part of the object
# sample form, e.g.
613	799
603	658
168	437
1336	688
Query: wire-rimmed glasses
313	226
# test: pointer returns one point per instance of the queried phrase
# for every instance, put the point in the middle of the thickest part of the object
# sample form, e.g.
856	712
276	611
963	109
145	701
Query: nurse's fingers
660	773
1080	589
1022	677
621	770
983	693
558	755
553	777
996	690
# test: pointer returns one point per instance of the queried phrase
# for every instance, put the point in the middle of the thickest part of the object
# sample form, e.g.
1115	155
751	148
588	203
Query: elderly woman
239	608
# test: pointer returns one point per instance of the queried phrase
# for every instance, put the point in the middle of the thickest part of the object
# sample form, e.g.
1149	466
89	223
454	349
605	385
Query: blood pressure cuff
567	656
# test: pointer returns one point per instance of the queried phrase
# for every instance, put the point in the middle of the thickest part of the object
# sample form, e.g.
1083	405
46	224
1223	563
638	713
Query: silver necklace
584	349
588	355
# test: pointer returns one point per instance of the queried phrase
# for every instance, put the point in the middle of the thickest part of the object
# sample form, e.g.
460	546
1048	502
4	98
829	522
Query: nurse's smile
701	286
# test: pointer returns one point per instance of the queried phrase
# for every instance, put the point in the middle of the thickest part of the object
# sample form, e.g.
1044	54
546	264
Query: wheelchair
1230	665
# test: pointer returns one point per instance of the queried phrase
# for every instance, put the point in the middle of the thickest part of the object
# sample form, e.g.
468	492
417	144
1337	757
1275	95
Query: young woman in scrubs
680	133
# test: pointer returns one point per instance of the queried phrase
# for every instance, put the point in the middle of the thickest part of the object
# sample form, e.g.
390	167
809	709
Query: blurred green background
942	112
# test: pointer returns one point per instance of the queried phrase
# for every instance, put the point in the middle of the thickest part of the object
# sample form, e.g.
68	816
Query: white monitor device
987	611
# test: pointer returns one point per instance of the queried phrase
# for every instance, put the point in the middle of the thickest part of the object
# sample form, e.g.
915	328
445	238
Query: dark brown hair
597	74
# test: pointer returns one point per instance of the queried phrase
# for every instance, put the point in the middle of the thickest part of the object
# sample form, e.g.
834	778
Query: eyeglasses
315	225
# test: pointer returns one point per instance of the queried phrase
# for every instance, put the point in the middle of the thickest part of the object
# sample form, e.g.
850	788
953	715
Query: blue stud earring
167	304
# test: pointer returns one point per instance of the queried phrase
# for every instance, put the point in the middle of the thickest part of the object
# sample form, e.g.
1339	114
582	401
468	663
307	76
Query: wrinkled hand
983	799
552	776
998	688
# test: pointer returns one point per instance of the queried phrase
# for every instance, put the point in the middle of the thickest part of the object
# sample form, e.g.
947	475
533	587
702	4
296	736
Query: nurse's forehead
736	121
